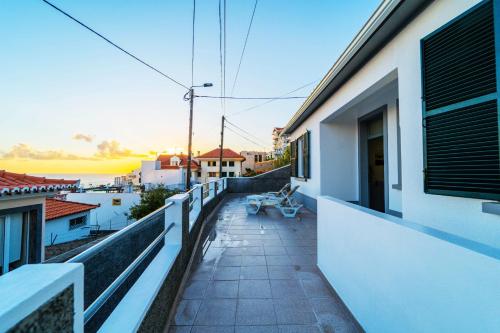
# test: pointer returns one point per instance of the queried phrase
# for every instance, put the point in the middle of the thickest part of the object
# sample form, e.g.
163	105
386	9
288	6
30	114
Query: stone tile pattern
259	274
56	315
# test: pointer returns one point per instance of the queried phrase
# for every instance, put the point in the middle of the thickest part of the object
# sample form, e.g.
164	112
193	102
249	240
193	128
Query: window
300	157
260	158
14	241
231	163
198	174
256	158
231	174
212	163
224	174
212	174
224	163
77	222
460	107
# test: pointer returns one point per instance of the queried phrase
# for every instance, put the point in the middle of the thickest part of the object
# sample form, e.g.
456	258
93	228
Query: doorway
373	151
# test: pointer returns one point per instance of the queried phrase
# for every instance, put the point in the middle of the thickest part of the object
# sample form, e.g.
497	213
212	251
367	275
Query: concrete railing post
211	189
225	183
178	214
42	297
198	197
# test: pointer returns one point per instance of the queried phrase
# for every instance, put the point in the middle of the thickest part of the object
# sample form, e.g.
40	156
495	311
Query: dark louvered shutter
460	107
293	158
305	154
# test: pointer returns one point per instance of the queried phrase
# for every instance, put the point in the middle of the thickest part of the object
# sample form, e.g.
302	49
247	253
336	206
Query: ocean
86	179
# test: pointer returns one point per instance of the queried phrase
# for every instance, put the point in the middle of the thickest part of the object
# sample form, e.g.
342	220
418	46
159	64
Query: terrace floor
259	275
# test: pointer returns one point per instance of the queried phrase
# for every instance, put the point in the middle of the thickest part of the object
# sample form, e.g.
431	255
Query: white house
397	149
113	210
209	164
22	218
66	221
168	170
252	157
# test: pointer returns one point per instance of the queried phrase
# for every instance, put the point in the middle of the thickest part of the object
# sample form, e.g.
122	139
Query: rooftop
17	183
259	275
55	208
165	162
227	153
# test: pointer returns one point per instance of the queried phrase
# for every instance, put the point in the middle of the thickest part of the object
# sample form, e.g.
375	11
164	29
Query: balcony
199	263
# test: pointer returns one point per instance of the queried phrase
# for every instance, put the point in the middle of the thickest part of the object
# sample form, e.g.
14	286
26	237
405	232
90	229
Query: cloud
112	150
83	137
24	151
106	150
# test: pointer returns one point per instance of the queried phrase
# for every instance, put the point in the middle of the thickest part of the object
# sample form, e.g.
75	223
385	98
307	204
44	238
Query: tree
151	200
283	159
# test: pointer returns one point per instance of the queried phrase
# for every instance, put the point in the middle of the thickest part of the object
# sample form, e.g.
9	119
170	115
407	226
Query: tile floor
259	275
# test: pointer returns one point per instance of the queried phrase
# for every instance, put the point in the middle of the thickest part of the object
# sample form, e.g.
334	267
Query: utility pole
221	146
190	95
190	139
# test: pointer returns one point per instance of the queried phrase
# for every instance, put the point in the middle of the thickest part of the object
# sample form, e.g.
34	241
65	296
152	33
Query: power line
233	97
192	44
272	100
244	46
244	131
244	137
115	45
220	57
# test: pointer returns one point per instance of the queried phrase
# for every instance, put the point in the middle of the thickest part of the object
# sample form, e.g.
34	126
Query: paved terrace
258	274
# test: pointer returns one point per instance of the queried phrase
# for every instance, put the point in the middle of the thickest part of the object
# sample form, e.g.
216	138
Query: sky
71	103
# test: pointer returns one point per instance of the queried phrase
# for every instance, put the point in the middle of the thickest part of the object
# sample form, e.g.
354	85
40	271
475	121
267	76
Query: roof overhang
385	23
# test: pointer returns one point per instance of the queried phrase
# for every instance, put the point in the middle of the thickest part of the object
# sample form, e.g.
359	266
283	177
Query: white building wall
152	175
205	169
60	228
107	215
460	216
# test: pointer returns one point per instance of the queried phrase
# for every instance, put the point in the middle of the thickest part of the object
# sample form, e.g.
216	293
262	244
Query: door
372	161
376	173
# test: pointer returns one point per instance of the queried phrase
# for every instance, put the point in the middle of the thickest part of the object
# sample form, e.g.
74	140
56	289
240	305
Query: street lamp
191	100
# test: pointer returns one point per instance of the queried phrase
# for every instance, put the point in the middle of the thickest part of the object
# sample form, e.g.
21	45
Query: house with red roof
22	217
66	221
210	168
168	170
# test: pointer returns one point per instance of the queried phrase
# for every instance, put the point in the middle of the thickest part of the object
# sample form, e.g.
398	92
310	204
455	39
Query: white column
198	197
174	214
211	189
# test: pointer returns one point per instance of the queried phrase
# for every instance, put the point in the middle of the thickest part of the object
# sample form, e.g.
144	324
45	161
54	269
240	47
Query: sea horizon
86	179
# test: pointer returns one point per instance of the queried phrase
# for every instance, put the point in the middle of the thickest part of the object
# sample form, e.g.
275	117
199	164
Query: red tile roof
55	208
165	162
227	153
16	183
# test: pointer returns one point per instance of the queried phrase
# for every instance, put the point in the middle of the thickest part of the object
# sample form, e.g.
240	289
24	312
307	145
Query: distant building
169	171
280	141
113	210
22	203
252	157
209	164
66	221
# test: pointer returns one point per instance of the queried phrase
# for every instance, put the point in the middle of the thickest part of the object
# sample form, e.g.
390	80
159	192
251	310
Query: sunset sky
71	103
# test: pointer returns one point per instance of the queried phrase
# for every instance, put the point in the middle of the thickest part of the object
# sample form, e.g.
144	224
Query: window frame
300	157
461	104
79	225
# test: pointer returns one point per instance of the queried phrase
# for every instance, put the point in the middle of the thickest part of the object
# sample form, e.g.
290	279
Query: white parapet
26	289
397	276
